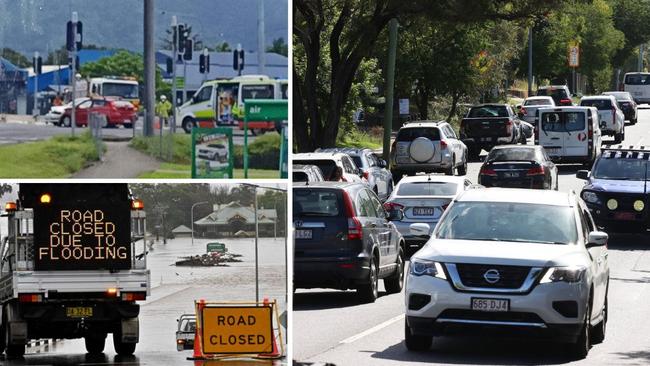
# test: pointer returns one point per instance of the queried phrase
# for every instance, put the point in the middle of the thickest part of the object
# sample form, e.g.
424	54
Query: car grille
510	316
510	277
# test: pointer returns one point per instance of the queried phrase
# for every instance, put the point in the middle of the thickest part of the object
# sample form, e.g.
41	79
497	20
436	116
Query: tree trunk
454	104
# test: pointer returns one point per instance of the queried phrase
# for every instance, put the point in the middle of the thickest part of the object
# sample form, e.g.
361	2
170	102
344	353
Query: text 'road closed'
243	329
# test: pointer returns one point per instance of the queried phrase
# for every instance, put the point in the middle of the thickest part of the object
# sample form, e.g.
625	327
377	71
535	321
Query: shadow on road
481	351
59	359
325	300
640	357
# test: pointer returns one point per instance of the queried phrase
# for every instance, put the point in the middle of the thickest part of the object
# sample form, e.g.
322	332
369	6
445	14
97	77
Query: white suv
612	119
328	162
514	261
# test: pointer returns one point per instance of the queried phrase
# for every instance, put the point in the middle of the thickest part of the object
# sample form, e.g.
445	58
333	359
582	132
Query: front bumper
448	310
338	273
605	218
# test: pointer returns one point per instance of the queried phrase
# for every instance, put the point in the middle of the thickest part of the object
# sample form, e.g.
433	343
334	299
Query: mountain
39	25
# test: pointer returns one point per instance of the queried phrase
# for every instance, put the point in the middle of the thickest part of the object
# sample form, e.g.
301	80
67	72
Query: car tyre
462	169
580	348
395	282
2	338
369	292
474	152
416	342
618	138
95	343
188	124
598	333
128	125
65	121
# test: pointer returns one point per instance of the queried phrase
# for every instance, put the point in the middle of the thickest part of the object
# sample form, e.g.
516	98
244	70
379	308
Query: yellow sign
237	329
574	54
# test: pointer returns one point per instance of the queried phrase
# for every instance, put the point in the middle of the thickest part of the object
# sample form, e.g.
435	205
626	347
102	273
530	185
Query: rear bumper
338	273
571	159
492	141
534	182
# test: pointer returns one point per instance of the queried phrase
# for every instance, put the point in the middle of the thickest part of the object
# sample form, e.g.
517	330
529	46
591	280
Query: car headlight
563	274
421	267
590	197
639	205
612	204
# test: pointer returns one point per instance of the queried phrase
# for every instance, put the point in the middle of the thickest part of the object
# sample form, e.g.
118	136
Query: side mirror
582	174
395	215
597	239
382	163
420	229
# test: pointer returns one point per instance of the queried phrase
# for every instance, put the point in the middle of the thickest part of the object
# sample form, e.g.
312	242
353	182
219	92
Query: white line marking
374	329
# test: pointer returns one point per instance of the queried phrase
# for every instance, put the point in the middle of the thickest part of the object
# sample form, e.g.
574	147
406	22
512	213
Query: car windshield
427	189
538	102
410	134
600	104
622	96
488	111
316	202
511	154
621	169
326	166
120	90
637	79
300	177
555	93
509	221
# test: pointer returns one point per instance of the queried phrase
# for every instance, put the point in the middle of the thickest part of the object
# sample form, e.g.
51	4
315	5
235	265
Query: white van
638	84
569	134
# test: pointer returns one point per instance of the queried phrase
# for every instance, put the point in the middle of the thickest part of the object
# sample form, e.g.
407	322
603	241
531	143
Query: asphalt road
174	291
331	326
16	132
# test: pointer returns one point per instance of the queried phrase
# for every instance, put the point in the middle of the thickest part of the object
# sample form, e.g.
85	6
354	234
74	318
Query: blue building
12	88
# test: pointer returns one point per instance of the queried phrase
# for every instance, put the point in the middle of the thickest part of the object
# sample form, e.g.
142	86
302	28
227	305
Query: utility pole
175	36
36	109
261	55
149	68
390	86
73	75
530	61
640	63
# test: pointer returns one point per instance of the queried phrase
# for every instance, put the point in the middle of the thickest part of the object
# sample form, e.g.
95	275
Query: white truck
73	265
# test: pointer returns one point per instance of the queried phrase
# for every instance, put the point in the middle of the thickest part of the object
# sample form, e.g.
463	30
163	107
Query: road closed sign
237	329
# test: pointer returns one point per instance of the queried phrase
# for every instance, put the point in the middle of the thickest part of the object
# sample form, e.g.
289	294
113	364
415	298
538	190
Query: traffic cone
275	352
198	353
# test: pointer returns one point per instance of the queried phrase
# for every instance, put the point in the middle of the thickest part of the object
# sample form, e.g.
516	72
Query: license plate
79	312
423	211
624	215
303	234
496	305
511	174
484	139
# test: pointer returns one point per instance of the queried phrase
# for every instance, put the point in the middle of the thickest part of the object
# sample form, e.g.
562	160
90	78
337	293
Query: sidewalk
119	161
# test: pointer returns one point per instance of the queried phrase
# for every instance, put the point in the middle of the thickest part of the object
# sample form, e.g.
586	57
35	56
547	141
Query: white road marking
374	329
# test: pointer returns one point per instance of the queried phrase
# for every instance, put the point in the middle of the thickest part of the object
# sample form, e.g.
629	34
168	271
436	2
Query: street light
192	216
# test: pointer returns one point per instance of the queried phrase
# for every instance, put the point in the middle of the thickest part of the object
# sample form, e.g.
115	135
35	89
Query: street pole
73	76
172	124
35	110
149	67
640	62
257	234
530	61
261	59
205	55
390	85
192	217
184	80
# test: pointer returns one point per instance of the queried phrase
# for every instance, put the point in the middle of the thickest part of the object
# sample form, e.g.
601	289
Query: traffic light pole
73	76
172	124
35	110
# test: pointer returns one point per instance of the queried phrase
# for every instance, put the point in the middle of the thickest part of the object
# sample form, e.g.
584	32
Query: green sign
263	110
212	153
216	248
180	82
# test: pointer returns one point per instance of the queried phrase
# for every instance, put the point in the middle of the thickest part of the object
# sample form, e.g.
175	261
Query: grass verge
357	138
182	171
57	157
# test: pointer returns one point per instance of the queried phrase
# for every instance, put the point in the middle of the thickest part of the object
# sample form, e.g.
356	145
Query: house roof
182	229
224	214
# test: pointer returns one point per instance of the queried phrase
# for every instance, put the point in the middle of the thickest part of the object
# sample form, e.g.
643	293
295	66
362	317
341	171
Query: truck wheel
395	282
633	121
95	343
122	348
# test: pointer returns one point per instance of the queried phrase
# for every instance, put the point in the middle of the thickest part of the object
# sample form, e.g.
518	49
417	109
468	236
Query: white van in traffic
638	84
569	134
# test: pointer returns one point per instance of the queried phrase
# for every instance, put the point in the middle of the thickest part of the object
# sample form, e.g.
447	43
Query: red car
117	112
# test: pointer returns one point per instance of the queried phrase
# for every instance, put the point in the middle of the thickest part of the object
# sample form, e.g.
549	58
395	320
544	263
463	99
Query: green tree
632	17
15	57
221	47
278	46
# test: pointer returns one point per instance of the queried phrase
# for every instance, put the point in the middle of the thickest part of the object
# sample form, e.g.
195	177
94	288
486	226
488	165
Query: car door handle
555	138
209	105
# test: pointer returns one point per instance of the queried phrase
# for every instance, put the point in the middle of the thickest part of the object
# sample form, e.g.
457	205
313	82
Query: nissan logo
492	276
297	223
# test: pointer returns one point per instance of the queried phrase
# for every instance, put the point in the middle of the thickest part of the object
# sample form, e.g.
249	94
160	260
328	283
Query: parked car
185	332
612	120
627	104
344	239
215	152
374	169
528	110
306	173
488	125
56	111
327	162
511	261
517	166
423	198
569	134
560	93
426	146
116	112
617	190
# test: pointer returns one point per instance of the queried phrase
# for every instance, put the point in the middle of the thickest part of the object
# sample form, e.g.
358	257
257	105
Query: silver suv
426	146
510	260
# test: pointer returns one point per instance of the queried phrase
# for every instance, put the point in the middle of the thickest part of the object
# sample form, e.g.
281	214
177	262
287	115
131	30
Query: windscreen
316	202
563	121
637	79
622	96
538	102
621	169
488	111
120	90
509	221
600	104
512	154
410	134
427	189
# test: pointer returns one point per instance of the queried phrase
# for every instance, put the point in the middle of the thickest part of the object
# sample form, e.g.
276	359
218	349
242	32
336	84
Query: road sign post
574	61
262	110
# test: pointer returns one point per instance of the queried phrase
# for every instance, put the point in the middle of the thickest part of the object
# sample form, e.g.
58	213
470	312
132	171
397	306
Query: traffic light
72	37
189	46
204	64
182	38
76	60
37	63
238	60
170	65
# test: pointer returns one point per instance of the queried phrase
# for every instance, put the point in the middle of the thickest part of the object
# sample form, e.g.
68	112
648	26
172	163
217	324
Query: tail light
538	170
137	204
487	171
463	127
355	232
30	297
10	206
390	206
443	145
133	296
565	101
366	174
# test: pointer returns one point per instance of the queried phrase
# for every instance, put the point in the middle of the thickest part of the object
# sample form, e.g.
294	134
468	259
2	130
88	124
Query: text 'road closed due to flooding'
242	329
82	238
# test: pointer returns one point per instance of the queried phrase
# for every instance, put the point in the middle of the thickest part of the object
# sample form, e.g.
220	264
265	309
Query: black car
344	239
617	190
518	166
627	104
560	93
488	125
